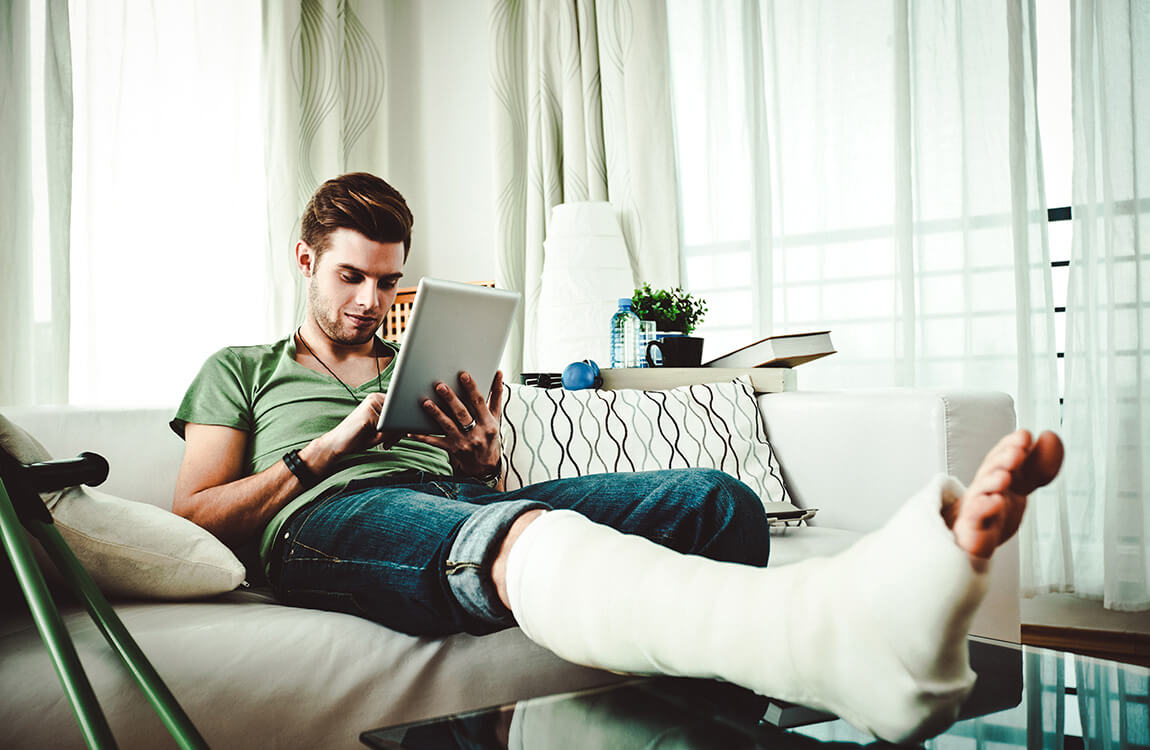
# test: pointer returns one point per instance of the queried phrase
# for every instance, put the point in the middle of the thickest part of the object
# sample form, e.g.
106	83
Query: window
1056	129
168	196
822	274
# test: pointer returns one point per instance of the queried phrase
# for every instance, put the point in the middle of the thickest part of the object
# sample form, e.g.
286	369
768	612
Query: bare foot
989	512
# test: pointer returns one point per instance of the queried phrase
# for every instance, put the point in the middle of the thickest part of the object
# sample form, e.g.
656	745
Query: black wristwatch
491	479
295	464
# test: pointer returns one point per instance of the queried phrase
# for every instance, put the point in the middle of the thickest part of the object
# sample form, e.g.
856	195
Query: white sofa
253	673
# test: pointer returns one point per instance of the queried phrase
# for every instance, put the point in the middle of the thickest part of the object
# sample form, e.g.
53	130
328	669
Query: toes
1015	440
991	513
991	510
1041	464
1010	450
993	479
980	524
1007	454
1012	519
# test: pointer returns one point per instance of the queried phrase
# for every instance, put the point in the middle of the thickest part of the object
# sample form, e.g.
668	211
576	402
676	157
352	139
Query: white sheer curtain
35	193
1107	407
168	199
582	112
871	168
163	228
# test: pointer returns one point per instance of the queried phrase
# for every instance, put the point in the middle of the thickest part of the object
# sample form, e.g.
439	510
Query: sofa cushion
130	548
796	543
554	433
253	673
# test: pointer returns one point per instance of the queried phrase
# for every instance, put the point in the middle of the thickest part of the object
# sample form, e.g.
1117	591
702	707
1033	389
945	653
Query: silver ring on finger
468	427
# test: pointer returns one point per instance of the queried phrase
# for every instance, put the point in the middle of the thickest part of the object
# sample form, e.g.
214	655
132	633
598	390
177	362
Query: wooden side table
763	379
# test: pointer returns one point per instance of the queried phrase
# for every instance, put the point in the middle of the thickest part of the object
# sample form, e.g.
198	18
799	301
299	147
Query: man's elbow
189	506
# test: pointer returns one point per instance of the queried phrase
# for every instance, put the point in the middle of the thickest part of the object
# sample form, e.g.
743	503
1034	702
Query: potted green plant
676	314
673	310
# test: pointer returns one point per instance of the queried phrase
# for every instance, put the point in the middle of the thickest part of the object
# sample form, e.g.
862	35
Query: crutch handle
47	476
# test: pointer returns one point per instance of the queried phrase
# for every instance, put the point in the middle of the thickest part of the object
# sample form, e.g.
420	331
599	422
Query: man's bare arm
213	492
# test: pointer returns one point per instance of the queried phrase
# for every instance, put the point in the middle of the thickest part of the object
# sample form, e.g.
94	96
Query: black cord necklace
378	373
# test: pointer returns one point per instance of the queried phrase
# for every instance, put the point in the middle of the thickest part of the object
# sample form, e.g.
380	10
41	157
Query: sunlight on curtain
169	218
874	168
869	168
17	302
35	159
1107	413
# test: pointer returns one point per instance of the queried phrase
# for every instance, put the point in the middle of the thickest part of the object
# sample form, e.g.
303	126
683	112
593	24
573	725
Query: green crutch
20	508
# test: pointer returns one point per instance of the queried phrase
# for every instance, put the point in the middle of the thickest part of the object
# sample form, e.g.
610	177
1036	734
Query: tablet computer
454	327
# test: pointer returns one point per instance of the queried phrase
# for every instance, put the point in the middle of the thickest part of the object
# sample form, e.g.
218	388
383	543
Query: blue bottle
624	336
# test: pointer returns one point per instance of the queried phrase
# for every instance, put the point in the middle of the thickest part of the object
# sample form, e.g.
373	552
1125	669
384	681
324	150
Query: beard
332	322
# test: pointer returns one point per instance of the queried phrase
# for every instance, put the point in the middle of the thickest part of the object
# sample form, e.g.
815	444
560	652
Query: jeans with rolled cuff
414	552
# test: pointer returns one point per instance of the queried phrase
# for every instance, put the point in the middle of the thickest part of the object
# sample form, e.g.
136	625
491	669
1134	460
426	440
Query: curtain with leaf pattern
582	112
325	109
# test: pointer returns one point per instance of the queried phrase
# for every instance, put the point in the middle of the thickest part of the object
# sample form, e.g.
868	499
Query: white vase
586	269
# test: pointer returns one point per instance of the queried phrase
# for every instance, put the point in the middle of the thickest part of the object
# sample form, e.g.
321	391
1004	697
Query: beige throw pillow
130	549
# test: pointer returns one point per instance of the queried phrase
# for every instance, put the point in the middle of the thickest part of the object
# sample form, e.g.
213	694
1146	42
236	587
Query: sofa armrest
858	455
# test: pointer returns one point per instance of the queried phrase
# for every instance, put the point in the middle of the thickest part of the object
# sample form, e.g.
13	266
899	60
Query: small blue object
580	375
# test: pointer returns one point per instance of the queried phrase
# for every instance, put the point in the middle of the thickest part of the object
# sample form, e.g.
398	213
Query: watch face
492	479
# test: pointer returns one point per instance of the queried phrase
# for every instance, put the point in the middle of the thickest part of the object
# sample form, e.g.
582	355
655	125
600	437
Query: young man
415	532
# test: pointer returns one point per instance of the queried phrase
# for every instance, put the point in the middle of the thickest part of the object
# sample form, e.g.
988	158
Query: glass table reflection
1024	697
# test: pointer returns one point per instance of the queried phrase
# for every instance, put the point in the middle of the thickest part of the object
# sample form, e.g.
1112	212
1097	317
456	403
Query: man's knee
732	512
727	493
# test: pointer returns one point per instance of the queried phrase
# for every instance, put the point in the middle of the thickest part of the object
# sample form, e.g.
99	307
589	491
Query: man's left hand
470	425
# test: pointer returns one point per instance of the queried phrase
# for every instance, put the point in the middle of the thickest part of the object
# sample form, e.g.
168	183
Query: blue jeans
415	553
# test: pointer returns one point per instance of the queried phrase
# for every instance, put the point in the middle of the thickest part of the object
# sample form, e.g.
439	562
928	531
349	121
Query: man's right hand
355	433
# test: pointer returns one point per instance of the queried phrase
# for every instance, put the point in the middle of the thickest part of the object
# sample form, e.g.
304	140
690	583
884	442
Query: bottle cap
624	302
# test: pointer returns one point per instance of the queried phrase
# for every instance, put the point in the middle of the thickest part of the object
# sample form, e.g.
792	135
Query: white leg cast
876	634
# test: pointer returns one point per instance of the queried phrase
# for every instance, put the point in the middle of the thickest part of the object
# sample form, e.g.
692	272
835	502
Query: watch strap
296	465
491	479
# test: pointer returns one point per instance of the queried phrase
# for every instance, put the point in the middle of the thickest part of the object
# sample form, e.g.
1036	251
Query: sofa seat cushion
554	433
796	543
253	673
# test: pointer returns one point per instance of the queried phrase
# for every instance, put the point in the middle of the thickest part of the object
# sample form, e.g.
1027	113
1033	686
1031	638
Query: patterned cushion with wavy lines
555	433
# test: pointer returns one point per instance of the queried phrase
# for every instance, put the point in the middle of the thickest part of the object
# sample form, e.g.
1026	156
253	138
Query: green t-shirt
282	405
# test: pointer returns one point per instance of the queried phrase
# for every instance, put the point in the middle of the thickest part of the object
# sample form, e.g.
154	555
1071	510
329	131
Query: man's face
353	285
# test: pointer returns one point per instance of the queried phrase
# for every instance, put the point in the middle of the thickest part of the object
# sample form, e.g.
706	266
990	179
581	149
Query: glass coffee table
1024	697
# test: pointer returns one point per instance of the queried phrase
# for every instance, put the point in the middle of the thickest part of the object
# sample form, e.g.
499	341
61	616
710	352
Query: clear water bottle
624	336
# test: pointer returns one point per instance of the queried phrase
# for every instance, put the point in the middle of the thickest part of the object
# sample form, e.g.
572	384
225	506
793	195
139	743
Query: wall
440	141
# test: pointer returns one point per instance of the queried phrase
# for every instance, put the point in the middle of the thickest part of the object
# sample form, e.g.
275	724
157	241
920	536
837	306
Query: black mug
677	351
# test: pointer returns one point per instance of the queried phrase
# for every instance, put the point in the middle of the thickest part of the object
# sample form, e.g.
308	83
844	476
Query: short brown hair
358	201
